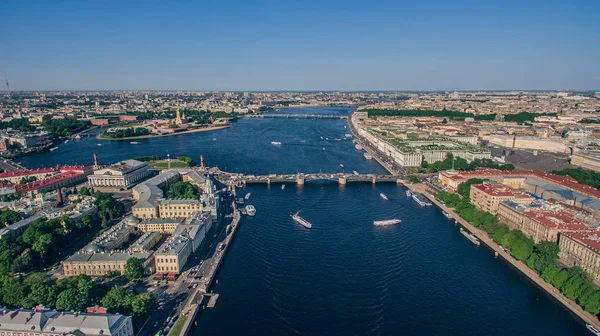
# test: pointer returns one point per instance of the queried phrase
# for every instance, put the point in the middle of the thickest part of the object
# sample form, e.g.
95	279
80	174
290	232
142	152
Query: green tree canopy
134	269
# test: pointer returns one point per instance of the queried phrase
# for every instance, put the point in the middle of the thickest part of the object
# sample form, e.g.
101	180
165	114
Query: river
344	276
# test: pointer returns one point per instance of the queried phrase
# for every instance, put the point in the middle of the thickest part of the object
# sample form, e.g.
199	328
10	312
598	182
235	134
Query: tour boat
408	193
250	210
592	329
367	156
386	222
447	214
53	149
383	196
282	186
134	142
247	196
301	220
275	143
358	147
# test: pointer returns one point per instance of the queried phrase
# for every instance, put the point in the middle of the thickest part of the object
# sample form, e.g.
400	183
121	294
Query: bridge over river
304	116
301	178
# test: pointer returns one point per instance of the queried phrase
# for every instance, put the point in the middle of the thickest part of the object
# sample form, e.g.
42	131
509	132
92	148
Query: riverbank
572	306
149	136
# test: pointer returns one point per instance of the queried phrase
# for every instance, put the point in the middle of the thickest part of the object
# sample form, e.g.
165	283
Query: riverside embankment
524	269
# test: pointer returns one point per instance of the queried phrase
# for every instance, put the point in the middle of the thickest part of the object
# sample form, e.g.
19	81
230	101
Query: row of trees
417	113
44	240
70	294
126	133
573	282
583	176
526	116
462	164
148	158
182	190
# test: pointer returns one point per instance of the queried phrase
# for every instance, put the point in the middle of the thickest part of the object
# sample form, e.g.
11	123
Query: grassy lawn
178	326
163	164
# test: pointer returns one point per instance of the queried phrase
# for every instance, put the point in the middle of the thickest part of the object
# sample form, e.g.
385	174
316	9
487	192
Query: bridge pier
268	181
374	180
300	179
342	180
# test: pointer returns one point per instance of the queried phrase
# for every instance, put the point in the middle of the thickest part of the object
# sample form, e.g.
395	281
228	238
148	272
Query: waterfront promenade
532	275
194	303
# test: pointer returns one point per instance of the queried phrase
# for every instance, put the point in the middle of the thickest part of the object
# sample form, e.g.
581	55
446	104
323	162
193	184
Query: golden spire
178	118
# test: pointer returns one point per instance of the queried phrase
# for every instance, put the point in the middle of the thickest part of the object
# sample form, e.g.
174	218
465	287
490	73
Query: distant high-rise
7	85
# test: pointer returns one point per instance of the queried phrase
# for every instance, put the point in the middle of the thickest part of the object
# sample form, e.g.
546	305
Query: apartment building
488	196
581	249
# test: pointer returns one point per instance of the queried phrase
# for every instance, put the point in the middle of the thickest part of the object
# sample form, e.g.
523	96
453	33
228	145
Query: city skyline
273	46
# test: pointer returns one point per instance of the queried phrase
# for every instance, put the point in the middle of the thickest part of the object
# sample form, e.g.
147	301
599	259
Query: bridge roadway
301	178
305	116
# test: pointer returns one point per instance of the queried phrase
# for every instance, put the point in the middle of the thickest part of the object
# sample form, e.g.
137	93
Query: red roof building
546	225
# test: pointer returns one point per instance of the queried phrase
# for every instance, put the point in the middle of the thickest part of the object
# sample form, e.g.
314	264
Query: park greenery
185	159
182	190
8	217
573	282
46	240
462	164
125	133
589	121
71	294
583	176
65	127
17	124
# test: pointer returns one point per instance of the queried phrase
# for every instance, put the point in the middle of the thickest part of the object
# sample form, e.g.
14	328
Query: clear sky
300	45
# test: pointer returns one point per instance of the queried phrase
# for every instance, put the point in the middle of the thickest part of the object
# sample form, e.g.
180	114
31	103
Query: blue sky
300	45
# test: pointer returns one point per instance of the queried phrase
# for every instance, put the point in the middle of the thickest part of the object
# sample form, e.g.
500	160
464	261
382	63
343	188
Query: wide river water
343	277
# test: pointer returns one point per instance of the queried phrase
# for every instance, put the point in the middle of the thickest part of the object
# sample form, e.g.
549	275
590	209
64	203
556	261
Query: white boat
67	141
355	172
447	214
323	148
275	143
134	142
367	156
250	210
99	145
53	149
358	147
301	220
321	138
592	329
348	135
341	165
247	196
383	196
386	222
78	136
408	193
214	139
282	186
345	126
326	138
419	199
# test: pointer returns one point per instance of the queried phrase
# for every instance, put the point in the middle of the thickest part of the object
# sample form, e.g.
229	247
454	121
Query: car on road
195	285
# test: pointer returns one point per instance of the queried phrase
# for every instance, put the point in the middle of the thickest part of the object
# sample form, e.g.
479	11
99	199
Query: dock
470	236
213	301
